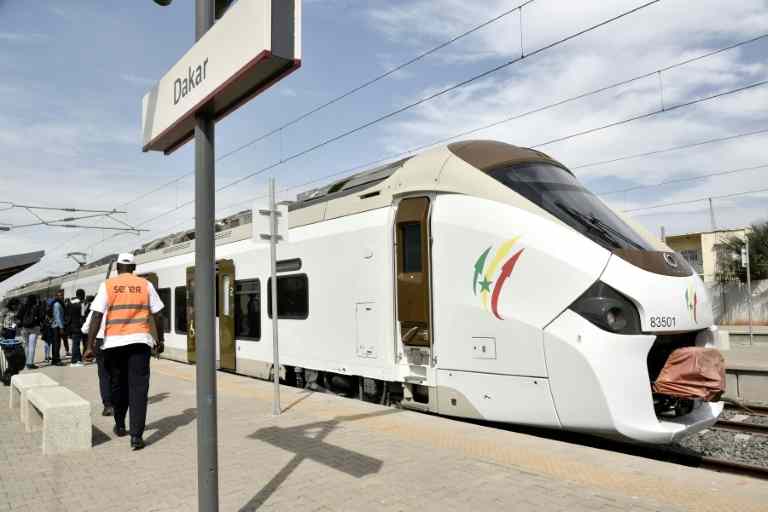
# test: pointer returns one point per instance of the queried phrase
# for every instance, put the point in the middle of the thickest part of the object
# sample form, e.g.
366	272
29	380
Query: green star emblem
485	285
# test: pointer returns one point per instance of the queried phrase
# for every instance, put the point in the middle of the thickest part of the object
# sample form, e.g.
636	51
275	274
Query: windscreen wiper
585	221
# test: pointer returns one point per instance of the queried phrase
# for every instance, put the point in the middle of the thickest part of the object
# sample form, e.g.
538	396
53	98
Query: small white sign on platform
255	44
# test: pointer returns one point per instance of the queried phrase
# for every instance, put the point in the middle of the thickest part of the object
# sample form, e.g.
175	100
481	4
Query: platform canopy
12	265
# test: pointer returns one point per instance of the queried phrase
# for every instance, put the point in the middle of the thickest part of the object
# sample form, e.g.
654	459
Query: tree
729	266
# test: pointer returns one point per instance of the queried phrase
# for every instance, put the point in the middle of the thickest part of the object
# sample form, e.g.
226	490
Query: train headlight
608	309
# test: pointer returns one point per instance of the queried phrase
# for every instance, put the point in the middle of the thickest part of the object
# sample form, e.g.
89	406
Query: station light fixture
221	6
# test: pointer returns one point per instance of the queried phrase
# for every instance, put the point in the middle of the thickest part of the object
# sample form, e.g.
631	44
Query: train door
191	341
225	276
414	301
152	278
225	311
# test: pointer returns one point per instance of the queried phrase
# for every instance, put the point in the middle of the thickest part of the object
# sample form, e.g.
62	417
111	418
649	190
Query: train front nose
607	349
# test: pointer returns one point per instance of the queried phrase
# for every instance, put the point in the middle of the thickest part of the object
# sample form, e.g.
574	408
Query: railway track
737	468
742	426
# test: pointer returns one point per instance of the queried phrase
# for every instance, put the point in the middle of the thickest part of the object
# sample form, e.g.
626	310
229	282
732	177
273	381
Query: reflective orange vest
127	305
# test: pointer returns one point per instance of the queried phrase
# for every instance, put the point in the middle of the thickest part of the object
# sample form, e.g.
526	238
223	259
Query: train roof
446	169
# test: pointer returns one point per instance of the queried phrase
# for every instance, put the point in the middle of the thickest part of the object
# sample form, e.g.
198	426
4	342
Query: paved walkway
329	453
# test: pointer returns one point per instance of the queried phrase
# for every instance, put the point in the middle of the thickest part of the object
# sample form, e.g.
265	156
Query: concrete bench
20	386
63	416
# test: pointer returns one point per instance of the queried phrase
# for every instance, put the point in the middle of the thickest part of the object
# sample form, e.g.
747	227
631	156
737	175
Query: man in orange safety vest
131	304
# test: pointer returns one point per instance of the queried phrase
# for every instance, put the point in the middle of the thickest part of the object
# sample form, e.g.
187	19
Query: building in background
702	250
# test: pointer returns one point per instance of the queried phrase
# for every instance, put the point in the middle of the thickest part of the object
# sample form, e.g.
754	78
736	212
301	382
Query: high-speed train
476	280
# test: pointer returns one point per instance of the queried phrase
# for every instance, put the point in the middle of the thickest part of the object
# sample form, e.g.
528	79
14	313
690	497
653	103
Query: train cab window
248	310
165	313
558	191
411	240
292	297
180	311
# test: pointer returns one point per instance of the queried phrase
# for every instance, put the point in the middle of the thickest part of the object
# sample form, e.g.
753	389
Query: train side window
248	310
292	297
411	237
165	313
180	312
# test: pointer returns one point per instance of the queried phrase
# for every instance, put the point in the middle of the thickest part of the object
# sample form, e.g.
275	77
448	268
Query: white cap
125	258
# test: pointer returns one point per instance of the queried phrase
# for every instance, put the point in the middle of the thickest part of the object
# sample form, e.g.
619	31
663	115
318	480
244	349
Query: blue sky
74	73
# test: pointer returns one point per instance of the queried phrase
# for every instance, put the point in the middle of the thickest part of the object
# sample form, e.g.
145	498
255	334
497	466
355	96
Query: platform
330	453
747	372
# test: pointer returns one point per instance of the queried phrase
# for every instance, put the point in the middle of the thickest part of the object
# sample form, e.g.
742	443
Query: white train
476	280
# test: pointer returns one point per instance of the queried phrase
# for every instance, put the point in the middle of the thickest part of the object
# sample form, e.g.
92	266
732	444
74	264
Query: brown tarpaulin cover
693	372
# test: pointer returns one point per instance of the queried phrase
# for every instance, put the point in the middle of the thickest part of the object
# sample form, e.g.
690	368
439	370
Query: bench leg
67	430
13	397
33	419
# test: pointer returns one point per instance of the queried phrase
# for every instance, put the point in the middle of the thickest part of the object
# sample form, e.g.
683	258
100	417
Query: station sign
255	44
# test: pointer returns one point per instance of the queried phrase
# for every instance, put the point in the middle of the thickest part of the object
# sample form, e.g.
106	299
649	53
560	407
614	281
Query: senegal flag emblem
490	275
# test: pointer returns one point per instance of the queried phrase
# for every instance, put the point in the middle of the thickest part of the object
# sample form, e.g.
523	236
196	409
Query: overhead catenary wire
442	92
548	142
413	104
367	83
682	180
567	137
698	200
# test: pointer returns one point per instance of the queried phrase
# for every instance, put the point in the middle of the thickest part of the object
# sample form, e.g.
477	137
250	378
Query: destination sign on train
255	44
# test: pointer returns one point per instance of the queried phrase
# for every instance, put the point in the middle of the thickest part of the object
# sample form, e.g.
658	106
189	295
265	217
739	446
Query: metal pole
712	215
205	315
749	291
273	264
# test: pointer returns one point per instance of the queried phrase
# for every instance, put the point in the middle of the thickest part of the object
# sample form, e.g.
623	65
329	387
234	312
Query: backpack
31	317
73	319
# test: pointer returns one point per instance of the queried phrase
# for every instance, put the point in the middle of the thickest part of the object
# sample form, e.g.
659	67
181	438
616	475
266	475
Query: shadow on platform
168	425
98	436
307	442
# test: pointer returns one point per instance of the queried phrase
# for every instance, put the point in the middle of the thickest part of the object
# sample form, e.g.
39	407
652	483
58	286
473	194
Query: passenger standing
31	315
131	305
58	327
47	329
104	385
75	318
65	330
9	320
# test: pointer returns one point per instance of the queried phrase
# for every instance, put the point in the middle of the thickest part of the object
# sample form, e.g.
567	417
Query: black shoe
108	411
32	367
120	431
137	443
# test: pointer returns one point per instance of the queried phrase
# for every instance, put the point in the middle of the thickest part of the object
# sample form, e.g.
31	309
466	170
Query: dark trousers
128	369
105	386
77	338
56	345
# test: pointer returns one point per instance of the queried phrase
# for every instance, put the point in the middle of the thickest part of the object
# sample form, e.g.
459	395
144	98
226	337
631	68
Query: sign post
255	44
745	263
205	315
278	224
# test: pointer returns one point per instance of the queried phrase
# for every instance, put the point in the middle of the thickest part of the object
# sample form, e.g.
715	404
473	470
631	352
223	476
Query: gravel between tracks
750	449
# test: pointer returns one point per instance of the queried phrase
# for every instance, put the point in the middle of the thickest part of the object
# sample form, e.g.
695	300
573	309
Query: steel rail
741	426
736	468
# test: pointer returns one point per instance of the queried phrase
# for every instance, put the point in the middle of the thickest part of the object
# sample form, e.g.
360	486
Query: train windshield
561	194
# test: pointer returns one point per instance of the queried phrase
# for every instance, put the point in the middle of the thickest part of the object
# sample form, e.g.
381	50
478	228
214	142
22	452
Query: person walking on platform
31	318
131	305
58	328
75	316
104	385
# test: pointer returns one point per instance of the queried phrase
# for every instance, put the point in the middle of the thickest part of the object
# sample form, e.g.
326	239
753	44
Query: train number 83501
663	321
